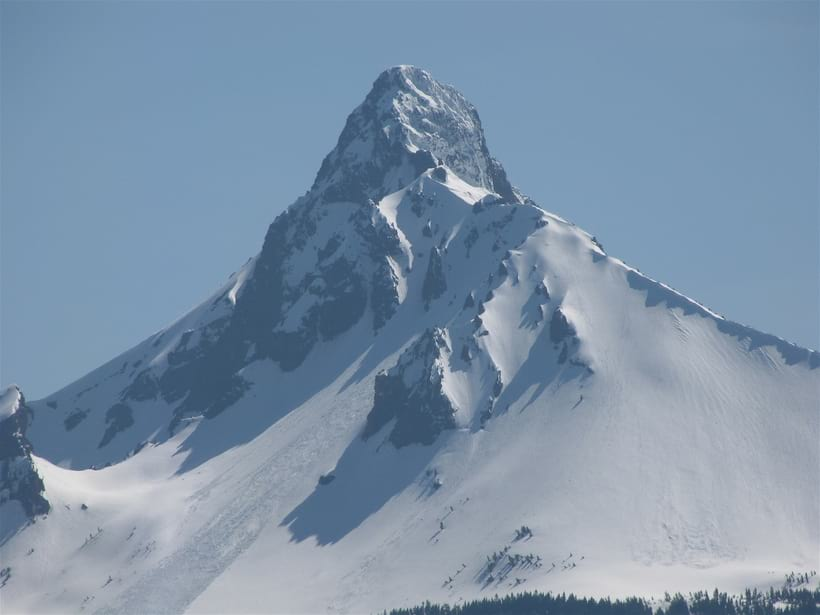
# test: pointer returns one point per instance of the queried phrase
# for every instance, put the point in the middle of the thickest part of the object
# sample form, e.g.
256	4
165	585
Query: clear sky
146	146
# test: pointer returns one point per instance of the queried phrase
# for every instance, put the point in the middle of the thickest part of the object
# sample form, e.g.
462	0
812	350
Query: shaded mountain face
419	357
19	480
412	393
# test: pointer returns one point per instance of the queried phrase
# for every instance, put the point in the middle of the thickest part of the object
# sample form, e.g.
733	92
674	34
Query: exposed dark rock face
75	418
560	327
352	270
144	387
119	417
534	311
18	477
411	393
495	393
435	282
344	299
562	332
380	241
384	299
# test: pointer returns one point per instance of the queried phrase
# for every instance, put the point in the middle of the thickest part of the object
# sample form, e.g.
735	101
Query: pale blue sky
146	146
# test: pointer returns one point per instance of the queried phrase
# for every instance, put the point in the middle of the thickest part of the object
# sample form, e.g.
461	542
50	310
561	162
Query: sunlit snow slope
424	386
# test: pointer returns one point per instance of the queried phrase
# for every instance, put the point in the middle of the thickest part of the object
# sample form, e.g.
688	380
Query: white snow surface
9	402
673	451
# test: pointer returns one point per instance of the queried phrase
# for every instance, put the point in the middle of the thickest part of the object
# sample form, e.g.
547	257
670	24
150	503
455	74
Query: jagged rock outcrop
411	392
409	122
560	327
562	333
303	289
19	479
435	283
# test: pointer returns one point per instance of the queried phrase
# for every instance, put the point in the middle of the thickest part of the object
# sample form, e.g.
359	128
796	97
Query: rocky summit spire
409	122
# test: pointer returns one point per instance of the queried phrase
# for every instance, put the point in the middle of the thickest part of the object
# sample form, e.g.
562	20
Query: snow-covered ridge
20	485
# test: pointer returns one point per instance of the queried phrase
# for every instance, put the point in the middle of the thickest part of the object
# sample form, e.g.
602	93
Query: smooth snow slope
649	444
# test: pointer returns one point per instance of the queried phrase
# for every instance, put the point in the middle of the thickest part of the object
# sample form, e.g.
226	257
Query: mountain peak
408	122
411	74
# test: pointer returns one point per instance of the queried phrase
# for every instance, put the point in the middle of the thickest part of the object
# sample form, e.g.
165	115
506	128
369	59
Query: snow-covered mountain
424	386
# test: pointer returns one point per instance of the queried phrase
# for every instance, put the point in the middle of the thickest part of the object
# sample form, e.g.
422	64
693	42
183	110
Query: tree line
786	601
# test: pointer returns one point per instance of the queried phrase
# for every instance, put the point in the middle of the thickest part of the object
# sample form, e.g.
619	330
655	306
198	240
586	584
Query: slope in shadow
368	475
544	368
275	395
